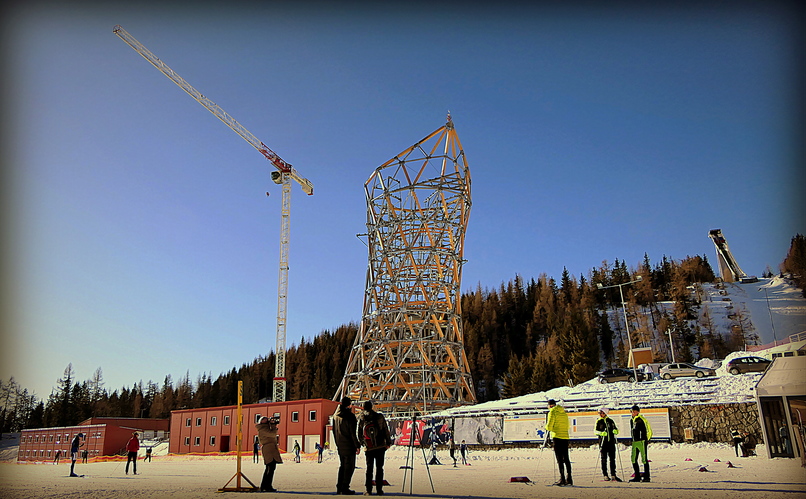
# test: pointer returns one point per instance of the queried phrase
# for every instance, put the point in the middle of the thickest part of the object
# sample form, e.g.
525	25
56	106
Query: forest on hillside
522	337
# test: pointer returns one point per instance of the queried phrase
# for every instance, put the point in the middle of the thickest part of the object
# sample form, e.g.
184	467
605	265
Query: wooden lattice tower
409	356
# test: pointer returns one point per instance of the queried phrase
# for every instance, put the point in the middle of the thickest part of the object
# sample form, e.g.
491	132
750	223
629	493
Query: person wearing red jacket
132	446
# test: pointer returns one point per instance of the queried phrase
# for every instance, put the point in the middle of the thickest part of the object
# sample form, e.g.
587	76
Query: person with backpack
345	435
373	433
606	430
641	433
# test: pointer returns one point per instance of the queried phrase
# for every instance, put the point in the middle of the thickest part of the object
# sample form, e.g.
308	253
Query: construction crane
283	176
728	267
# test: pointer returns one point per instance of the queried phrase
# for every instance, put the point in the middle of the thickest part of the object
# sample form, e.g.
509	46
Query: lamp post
671	345
626	322
769	310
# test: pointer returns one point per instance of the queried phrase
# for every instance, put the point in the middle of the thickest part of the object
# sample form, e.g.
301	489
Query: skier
463	451
296	451
132	446
452	450
77	442
557	425
641	433
606	430
319	451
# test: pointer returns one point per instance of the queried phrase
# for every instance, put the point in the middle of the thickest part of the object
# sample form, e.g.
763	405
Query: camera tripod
414	436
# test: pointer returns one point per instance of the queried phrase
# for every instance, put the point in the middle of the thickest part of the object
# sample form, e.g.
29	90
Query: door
224	443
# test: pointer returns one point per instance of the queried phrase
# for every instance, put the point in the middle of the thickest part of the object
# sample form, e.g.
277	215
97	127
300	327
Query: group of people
606	431
350	433
744	442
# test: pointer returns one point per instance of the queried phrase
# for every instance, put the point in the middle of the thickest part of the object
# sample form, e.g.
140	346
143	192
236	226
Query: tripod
414	435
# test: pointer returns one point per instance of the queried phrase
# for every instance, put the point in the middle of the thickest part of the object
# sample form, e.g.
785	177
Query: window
226	420
213	421
48	453
197	441
294	417
198	421
257	418
51	438
212	441
187	441
187	422
311	415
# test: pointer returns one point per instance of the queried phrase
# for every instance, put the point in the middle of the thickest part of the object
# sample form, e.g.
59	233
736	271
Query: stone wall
712	423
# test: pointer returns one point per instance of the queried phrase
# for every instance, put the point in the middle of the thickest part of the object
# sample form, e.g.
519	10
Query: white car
681	370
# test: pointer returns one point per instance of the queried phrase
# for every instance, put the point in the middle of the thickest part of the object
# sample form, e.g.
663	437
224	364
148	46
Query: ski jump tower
729	270
409	355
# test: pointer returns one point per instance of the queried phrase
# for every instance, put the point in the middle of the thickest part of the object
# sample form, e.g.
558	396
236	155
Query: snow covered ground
786	313
675	474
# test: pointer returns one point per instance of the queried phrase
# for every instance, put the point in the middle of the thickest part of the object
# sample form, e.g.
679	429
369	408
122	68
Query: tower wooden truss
408	355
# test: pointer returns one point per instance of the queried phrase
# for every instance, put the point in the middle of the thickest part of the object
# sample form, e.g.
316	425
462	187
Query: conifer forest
523	336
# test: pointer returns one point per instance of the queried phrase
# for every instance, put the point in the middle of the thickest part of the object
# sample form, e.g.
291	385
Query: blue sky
142	240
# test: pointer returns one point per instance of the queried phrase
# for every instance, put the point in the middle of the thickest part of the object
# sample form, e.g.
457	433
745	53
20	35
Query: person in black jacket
373	433
641	433
606	430
345	434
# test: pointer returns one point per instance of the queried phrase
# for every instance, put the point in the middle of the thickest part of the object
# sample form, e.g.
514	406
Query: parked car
681	370
741	365
619	374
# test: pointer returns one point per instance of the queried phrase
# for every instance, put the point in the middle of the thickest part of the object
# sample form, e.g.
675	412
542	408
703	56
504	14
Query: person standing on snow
345	435
606	430
737	440
77	442
373	432
267	430
132	446
297	450
557	425
641	433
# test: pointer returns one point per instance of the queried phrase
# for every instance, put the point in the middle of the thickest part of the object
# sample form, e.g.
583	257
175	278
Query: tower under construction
409	355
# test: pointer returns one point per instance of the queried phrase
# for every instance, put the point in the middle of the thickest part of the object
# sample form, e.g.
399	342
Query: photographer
267	435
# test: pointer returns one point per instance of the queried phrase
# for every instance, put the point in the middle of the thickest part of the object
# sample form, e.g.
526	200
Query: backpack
372	432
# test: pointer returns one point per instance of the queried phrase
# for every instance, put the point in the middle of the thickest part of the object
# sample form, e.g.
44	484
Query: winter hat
604	409
635	408
552	402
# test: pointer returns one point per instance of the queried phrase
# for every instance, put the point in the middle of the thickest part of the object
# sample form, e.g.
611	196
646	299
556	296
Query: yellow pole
239	437
238	440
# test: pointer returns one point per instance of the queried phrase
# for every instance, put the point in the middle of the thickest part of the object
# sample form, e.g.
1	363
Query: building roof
785	376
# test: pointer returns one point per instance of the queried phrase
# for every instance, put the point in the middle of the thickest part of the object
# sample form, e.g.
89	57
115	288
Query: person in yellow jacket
641	433
557	426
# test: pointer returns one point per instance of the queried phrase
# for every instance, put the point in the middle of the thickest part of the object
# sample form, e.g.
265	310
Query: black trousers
131	457
346	469
268	476
375	460
561	452
608	449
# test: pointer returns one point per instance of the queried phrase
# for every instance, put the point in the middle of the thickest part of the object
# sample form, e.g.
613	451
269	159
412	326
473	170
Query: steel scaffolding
408	355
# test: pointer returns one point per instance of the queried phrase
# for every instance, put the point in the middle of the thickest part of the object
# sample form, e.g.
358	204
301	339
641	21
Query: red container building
215	429
102	437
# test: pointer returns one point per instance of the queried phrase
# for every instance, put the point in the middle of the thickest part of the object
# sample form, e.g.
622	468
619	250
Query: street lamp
671	345
774	339
626	322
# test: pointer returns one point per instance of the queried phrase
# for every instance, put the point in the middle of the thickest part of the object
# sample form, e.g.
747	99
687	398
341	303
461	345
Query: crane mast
284	175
